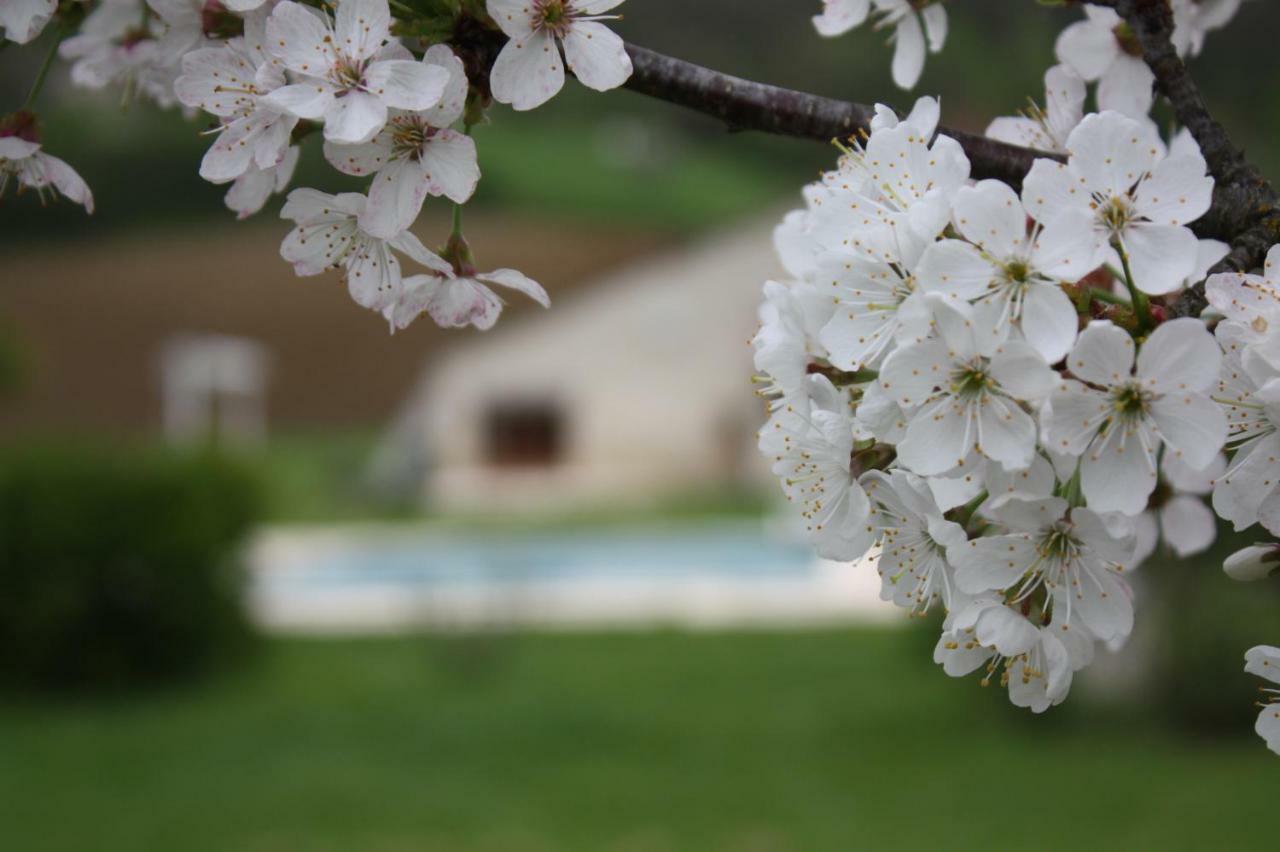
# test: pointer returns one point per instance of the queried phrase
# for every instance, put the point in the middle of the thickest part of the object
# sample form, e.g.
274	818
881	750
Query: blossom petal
407	85
596	56
1103	354
1180	355
528	72
354	118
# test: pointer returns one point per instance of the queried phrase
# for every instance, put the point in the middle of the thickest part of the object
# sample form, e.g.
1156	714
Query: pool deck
389	581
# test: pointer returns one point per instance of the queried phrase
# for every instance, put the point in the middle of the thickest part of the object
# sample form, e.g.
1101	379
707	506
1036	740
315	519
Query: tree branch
1244	204
748	105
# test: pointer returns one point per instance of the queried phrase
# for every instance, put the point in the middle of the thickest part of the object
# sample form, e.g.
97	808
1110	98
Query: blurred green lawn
661	741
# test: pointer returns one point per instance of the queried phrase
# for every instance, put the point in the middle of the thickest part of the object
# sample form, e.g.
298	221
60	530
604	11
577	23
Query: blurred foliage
118	568
1205	622
13	362
726	742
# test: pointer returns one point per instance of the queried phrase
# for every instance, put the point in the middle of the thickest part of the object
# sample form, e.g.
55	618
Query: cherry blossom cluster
979	392
396	110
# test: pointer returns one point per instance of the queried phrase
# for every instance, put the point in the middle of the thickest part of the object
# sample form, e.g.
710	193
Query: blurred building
635	387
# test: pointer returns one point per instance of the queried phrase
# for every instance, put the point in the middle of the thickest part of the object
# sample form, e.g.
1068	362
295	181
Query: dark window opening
524	435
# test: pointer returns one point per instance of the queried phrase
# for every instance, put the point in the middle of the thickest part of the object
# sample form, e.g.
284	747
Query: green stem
403	7
457	222
1107	296
1141	306
44	70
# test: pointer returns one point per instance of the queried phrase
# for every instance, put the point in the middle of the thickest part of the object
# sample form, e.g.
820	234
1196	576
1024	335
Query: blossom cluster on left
386	92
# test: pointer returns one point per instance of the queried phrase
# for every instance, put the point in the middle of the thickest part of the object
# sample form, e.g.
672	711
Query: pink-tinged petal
360	160
1161	257
1181	355
309	100
230	154
514	17
411	246
66	180
1103	354
528	72
1177	193
416	293
23	20
406	85
449	165
299	38
373	274
314	248
13	148
990	216
597	56
517	281
454	100
395	198
460	302
214	79
249	193
354	118
362	27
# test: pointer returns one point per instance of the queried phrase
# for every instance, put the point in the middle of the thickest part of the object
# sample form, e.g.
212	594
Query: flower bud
1252	563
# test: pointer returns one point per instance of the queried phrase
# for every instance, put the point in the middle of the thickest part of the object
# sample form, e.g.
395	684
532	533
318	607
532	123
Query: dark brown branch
747	105
1244	205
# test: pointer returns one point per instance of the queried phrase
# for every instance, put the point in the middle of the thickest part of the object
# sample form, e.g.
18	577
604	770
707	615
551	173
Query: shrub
119	569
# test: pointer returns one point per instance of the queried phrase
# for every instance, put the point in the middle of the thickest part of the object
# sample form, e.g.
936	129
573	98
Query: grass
811	741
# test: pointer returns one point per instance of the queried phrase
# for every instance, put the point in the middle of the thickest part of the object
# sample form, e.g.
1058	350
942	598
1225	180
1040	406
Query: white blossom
1248	392
1139	199
350	70
415	155
1264	661
1010	273
117	44
234	82
1250	306
1180	517
23	20
1046	129
914	537
810	444
327	236
1032	662
1117	417
913	22
963	392
528	71
249	192
1195	19
456	301
1071	553
1252	563
23	161
1103	48
840	16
